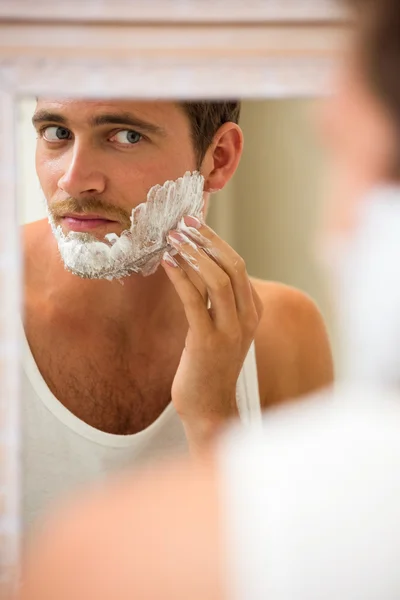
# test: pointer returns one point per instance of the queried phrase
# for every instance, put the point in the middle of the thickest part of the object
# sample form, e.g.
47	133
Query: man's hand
219	337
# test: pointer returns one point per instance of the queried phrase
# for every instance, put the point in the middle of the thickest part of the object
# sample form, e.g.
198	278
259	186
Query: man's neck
133	301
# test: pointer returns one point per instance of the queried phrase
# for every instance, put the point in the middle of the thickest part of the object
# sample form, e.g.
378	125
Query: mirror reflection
170	278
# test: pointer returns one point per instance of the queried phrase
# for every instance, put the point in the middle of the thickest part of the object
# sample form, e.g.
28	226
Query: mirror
265	51
96	396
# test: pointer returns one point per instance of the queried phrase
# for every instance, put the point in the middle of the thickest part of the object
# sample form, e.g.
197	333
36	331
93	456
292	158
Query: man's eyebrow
126	119
45	116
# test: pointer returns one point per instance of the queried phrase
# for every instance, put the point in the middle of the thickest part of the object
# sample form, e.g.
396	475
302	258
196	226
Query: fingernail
169	260
193	222
177	237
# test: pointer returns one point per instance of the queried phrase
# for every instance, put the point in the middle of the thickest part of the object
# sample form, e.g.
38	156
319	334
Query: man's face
98	159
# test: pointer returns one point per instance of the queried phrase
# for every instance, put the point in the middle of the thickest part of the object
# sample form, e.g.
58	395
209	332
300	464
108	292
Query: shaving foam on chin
140	249
367	285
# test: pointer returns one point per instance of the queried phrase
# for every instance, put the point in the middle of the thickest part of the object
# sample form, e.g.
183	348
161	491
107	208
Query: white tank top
61	452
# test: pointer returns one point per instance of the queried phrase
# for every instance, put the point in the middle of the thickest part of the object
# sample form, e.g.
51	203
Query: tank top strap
247	392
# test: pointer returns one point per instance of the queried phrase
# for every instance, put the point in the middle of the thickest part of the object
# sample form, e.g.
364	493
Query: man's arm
293	351
292	346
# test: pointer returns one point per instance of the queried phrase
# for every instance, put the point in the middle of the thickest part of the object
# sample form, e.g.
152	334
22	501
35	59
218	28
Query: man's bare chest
112	388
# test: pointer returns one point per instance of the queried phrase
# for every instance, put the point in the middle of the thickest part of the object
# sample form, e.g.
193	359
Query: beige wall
269	211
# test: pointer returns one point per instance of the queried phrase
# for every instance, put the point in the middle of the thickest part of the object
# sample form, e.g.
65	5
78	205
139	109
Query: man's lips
84	222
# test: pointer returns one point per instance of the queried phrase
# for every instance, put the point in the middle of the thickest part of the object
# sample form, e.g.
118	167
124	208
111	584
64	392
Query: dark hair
205	120
378	24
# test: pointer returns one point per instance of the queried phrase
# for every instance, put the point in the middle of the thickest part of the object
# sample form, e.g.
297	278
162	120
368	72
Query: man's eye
127	136
56	134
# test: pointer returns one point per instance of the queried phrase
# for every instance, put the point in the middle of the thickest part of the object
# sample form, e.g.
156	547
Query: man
103	361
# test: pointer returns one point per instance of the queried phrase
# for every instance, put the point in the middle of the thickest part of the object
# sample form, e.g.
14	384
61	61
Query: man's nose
82	173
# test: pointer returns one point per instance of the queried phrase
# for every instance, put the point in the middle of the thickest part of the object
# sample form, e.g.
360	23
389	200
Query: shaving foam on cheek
140	249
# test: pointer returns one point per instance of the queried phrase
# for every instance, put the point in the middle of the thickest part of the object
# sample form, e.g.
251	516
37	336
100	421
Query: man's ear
222	157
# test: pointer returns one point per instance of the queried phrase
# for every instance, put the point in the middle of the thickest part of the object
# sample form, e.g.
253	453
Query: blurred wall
269	212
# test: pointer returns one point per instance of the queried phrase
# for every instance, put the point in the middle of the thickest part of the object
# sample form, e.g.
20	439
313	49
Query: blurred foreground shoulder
292	345
116	540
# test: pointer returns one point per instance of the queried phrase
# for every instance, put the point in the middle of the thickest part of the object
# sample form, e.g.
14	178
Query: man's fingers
193	276
232	263
193	302
216	280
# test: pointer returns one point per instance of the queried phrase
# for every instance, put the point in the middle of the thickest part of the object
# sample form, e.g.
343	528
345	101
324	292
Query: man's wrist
201	431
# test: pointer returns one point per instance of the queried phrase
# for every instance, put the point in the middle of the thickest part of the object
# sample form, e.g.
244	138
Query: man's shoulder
286	309
34	237
281	297
292	345
35	250
35	230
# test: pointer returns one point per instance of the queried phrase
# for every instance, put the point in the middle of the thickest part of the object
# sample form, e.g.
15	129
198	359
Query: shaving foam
139	249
